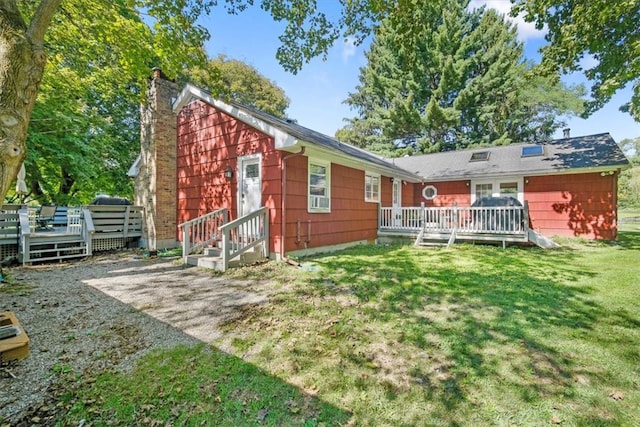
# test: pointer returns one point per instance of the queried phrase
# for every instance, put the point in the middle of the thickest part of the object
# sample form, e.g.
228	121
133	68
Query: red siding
351	218
573	205
565	205
450	193
209	141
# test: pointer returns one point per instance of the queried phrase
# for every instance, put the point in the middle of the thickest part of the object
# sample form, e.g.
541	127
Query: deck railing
244	234
202	231
502	220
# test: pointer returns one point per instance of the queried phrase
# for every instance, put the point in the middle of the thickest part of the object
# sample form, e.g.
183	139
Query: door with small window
249	184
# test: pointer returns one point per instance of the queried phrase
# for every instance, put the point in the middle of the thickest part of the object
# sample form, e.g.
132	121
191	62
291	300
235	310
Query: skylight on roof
532	150
479	156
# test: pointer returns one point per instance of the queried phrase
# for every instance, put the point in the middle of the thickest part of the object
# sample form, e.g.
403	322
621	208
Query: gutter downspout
283	224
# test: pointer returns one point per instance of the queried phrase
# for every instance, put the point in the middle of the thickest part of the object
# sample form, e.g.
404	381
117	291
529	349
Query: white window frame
313	201
495	184
369	195
435	192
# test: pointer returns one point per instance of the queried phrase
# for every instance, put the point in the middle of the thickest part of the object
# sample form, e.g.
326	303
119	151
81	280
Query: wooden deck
445	225
73	232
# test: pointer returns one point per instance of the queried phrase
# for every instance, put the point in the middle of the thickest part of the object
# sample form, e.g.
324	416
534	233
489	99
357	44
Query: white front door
249	184
396	202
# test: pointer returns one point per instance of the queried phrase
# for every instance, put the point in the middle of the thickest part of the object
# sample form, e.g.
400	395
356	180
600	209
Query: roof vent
566	132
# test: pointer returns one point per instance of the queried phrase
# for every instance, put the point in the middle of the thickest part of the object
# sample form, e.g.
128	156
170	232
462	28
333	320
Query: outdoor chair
45	216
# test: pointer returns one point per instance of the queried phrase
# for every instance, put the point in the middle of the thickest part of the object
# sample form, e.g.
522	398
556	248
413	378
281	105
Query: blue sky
317	92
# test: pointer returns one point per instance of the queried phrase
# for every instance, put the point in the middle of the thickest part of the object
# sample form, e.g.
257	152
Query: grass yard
404	336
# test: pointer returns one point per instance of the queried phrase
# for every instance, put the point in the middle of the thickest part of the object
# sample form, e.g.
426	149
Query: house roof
567	155
289	135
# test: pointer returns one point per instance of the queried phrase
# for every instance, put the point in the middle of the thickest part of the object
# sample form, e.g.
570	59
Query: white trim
432	187
340	158
546	172
134	170
327	166
495	183
191	93
240	174
285	141
372	175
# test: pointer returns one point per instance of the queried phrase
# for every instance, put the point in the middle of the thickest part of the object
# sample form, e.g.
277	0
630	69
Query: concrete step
206	261
211	258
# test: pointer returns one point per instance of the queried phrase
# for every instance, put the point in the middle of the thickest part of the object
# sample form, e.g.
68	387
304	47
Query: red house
213	170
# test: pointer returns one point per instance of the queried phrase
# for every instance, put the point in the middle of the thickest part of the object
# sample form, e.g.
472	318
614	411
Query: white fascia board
190	93
283	140
321	153
135	167
567	171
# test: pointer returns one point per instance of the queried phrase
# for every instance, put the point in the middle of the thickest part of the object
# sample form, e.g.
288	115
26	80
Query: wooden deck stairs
212	258
211	241
428	238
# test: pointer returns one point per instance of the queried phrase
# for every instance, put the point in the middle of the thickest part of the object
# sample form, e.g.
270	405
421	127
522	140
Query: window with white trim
484	190
371	187
319	186
499	187
429	192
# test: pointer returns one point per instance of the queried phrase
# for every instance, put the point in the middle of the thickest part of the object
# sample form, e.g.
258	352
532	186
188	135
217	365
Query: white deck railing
245	233
202	231
502	220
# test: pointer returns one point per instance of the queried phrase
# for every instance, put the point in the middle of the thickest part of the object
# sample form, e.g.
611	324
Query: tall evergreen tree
459	81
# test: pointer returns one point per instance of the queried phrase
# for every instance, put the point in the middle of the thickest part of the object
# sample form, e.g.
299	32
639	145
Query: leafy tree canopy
84	131
238	81
463	82
629	180
608	30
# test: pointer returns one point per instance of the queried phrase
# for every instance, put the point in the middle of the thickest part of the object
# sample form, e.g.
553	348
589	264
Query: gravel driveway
105	312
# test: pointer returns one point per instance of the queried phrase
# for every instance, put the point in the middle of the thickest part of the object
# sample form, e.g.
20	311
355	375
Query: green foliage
238	81
456	81
629	180
606	30
473	335
195	386
85	130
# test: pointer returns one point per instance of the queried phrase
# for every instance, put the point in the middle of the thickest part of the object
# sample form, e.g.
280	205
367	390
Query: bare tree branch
41	20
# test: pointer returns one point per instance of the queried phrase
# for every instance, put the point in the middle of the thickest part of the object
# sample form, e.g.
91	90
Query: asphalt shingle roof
584	152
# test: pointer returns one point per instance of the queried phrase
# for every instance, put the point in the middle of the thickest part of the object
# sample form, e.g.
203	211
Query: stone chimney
566	133
155	184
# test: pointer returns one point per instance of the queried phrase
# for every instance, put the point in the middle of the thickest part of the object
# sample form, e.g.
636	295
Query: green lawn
397	335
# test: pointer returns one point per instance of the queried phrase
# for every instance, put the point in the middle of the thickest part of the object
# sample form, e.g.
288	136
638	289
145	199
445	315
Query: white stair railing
244	234
202	231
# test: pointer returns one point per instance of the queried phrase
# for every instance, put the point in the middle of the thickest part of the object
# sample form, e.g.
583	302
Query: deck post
266	234
126	221
526	217
226	248
186	232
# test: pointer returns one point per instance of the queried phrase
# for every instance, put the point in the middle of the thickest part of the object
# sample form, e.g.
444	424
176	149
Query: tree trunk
22	60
